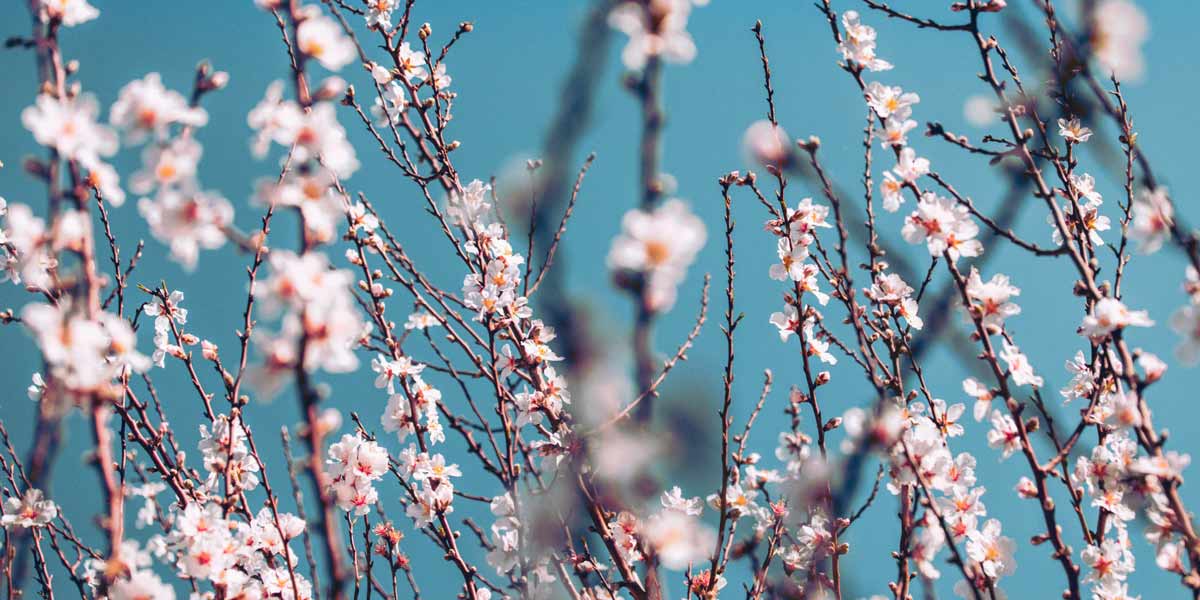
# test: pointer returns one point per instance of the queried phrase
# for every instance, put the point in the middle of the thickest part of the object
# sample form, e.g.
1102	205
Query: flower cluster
240	558
796	233
417	399
431	491
180	213
84	355
1122	485
226	456
858	45
922	459
1082	216
354	465
320	327
945	226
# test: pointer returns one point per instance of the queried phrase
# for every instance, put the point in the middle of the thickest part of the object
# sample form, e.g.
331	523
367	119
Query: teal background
508	73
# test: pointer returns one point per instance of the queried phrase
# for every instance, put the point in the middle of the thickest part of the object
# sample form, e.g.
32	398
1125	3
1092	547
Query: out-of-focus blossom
658	245
145	107
69	126
320	37
69	12
657	28
1119	28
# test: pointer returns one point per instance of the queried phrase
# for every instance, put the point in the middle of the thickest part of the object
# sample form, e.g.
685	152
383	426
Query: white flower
767	144
1153	218
1152	366
391	369
1109	315
947	417
167	165
791	261
1120	29
421	320
1004	434
892	190
25	252
297	281
993	299
411	63
891	290
435	468
379	13
389	106
30	510
655	28
981	394
141	583
187	222
1111	561
944	226
739	501
659	245
169	309
895	132
858	44
70	12
674	500
787	321
909	166
354	463
320	37
316	132
145	107
1088	221
104	177
440	80
83	354
1083	382
992	551
69	126
889	101
678	539
1123	408
1112	591
1018	366
1073	130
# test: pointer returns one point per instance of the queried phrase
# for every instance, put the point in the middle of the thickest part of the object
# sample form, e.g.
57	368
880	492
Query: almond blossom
1073	131
145	108
993	298
944	226
69	126
1153	217
657	28
859	44
187	222
321	37
1109	315
658	245
69	12
30	510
